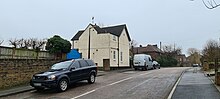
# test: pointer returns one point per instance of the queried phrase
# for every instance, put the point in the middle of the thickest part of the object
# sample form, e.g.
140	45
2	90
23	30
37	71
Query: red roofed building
152	50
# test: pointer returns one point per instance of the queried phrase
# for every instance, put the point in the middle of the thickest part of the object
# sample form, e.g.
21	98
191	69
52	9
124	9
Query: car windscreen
61	65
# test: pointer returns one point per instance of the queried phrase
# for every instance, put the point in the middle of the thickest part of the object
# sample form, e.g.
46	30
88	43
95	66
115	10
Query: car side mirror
72	68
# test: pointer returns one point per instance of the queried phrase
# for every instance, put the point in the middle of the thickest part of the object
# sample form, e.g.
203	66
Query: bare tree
210	4
33	43
191	51
211	50
195	56
171	51
14	42
133	43
37	44
1	41
21	43
27	43
40	44
167	48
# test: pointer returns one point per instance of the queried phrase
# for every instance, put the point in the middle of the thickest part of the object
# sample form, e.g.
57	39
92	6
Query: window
121	56
83	63
62	65
114	56
76	64
90	62
114	38
150	59
180	59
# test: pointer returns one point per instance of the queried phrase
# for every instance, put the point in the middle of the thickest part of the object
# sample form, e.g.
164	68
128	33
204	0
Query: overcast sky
186	23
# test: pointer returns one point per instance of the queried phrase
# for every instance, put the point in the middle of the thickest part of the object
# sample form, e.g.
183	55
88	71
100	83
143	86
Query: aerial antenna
93	20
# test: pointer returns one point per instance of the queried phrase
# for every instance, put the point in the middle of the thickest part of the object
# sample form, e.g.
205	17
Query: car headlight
33	77
52	77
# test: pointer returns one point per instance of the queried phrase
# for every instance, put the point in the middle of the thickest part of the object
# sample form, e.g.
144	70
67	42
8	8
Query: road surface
151	84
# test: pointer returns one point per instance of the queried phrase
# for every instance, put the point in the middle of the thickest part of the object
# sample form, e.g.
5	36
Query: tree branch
210	4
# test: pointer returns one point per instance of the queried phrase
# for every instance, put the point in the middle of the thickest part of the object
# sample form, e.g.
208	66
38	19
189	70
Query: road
152	84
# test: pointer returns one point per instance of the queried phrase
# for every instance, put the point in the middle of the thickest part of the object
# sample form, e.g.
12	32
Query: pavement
195	84
25	88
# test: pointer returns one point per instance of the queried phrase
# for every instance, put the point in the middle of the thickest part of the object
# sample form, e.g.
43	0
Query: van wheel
145	68
63	85
91	79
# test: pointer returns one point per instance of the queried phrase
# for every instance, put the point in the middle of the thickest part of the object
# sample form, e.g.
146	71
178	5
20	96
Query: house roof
78	34
152	48
148	48
114	30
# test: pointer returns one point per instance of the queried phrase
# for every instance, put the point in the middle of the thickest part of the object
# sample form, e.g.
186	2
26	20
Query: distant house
107	46
182	60
152	50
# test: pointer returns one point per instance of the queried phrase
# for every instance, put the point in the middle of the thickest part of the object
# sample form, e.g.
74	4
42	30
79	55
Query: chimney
155	45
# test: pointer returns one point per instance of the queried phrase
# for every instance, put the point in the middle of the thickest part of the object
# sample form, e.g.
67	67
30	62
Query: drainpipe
118	52
89	45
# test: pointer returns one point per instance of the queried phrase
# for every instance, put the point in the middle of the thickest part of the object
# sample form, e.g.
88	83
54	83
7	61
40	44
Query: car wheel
154	67
63	85
38	88
91	79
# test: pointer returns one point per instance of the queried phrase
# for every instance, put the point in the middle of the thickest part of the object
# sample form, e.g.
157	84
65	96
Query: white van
142	61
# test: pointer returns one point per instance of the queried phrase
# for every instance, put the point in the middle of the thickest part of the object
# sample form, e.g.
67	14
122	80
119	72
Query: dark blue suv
64	73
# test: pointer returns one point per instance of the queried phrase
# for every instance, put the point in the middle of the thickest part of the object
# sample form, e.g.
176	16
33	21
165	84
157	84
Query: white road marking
109	85
119	81
140	84
83	94
174	88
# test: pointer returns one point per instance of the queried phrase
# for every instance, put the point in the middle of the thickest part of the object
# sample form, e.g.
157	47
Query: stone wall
19	71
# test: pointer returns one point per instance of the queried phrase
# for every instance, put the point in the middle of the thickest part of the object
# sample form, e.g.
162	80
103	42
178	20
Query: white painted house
106	46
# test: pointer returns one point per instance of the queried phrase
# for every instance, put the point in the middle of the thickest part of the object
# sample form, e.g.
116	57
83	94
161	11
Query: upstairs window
114	38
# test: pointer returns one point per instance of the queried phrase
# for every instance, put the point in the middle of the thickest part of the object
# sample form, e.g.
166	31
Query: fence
18	53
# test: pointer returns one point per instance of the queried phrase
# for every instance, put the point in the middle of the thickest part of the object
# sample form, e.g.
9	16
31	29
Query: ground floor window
121	56
114	56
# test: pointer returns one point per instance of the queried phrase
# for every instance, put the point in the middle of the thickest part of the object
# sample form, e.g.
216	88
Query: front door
106	64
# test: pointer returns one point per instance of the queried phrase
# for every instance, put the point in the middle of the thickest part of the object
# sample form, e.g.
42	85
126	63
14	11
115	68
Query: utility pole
160	48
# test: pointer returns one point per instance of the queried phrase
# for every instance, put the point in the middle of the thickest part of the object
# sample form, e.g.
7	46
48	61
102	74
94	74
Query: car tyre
91	79
146	68
154	67
63	85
